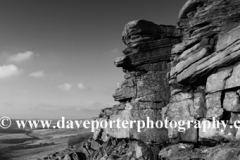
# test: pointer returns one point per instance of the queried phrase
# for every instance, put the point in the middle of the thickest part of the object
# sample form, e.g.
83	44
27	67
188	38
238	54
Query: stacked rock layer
145	90
205	69
186	74
142	96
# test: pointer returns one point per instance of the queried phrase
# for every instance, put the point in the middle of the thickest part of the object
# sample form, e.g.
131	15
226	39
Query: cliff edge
184	73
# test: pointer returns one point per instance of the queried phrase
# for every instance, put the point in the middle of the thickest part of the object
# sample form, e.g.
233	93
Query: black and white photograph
119	80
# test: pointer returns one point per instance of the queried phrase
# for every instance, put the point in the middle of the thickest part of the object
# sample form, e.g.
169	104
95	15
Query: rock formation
145	90
204	69
190	72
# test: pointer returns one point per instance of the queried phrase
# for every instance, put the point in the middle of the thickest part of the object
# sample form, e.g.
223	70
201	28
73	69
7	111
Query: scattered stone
231	102
214	106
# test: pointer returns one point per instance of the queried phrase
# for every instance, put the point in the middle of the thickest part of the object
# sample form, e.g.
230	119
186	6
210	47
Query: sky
56	56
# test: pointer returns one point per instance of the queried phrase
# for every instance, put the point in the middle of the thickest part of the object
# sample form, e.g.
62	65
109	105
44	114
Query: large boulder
140	31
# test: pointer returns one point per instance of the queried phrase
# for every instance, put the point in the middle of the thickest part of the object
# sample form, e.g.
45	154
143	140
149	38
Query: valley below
31	144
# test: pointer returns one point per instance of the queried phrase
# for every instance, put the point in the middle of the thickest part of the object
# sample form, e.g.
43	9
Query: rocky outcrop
178	74
181	151
208	58
210	39
145	90
141	96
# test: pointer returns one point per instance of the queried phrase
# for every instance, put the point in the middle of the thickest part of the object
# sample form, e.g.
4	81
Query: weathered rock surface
137	32
208	57
216	131
231	102
217	81
213	24
185	73
145	91
228	151
142	96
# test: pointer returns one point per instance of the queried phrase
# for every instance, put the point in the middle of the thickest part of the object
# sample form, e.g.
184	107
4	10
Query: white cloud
37	74
9	70
19	57
82	86
65	86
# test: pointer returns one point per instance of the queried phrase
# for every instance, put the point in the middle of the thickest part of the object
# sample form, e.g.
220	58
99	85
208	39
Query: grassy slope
59	137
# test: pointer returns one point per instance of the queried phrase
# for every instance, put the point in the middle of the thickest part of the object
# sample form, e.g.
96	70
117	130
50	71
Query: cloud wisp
81	86
37	74
7	71
20	57
65	87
